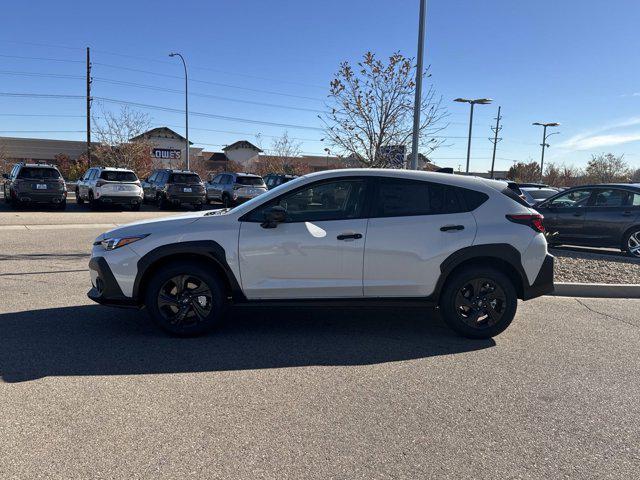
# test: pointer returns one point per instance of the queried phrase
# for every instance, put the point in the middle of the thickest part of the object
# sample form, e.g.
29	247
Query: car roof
39	165
601	185
174	170
537	188
115	169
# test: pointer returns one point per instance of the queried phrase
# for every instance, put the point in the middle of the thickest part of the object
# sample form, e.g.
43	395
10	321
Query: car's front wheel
479	302
185	299
631	242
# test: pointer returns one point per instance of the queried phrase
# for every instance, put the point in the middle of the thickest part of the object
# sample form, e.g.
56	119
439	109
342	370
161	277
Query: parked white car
470	246
109	186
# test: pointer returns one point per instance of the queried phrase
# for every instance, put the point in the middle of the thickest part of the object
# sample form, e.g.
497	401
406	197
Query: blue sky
570	61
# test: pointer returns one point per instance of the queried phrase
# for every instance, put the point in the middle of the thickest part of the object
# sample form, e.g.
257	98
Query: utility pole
88	107
495	140
472	102
418	98
186	104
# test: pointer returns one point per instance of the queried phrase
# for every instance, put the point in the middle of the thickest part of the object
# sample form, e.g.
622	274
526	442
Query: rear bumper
118	200
543	284
34	197
198	198
105	289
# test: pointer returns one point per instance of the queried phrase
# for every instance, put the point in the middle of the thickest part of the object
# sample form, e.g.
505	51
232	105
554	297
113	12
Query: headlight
117	242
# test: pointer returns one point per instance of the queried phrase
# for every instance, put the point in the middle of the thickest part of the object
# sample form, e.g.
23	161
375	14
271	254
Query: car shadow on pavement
95	340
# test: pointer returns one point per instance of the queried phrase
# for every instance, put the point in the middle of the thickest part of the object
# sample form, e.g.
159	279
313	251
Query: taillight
534	221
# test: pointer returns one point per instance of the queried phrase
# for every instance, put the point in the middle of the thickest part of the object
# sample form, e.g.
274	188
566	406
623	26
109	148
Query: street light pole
186	104
544	141
418	98
472	102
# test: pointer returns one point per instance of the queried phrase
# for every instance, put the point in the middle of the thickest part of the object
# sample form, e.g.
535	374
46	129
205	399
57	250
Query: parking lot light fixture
186	104
544	141
472	102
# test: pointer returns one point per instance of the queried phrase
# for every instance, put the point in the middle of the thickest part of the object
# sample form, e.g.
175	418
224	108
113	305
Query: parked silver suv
234	188
109	186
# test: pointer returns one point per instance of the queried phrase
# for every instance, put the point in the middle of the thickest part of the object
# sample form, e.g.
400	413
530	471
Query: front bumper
543	284
105	289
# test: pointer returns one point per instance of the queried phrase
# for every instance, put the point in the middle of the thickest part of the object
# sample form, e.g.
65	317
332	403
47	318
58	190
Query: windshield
253	181
118	176
38	173
184	178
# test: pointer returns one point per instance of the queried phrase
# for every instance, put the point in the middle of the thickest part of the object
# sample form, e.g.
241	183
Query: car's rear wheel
226	201
135	207
162	202
93	203
79	199
62	205
479	302
631	242
185	299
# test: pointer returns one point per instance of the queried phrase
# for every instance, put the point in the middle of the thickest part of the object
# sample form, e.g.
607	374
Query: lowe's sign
166	153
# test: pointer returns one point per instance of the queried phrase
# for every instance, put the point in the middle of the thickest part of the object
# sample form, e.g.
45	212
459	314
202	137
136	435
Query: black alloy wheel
185	299
478	301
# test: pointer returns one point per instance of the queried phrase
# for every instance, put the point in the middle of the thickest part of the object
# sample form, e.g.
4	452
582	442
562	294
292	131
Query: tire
226	201
162	203
462	292
197	206
631	242
79	199
93	204
135	207
62	205
199	313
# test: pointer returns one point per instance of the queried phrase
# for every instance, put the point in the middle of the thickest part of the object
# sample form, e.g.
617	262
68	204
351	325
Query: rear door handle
349	236
626	214
577	214
448	228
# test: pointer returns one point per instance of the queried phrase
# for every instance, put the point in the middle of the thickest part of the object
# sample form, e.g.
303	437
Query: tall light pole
186	103
418	98
472	102
544	141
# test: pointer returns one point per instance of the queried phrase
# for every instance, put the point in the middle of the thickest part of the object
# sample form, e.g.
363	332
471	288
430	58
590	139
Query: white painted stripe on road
12	227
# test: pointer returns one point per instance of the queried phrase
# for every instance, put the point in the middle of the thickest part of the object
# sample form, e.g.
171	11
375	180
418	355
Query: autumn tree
114	132
371	108
284	158
524	172
635	178
606	168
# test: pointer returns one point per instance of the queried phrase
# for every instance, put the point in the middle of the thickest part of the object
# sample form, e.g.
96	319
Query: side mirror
5	176
273	216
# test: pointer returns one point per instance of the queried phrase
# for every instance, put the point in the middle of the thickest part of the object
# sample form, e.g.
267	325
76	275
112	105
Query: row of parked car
592	215
102	186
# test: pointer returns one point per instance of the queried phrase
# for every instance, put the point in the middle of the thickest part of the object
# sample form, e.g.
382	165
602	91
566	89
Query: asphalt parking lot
96	392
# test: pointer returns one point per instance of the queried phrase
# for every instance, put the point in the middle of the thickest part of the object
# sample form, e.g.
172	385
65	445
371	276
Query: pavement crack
606	315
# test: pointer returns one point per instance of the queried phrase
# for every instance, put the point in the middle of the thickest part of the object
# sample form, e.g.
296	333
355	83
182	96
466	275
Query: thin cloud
583	142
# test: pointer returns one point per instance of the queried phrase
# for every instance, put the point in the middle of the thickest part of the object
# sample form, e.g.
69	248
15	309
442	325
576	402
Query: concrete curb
597	290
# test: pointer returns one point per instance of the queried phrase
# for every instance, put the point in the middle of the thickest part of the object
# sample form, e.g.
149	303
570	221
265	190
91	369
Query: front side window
575	198
401	198
118	176
336	200
634	200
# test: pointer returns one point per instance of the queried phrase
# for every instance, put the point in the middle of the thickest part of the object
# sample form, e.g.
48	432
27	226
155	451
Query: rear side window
184	178
400	198
118	176
252	181
511	193
38	173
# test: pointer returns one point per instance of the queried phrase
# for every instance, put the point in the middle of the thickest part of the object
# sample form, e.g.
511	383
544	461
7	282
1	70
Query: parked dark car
606	215
35	183
535	193
272	180
167	187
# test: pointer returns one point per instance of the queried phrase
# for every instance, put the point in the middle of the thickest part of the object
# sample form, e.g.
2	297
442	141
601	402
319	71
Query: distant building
13	150
167	147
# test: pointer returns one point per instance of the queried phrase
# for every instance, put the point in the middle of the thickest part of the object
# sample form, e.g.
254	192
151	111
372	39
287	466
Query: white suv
467	245
109	186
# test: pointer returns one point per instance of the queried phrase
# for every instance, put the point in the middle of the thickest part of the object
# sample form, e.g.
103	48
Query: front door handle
577	214
626	214
449	228
349	236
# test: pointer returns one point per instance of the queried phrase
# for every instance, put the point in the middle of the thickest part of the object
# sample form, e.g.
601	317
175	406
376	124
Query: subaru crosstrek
467	245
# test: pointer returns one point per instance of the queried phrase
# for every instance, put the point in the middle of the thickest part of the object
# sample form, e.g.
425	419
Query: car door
413	227
148	186
316	253
213	188
564	215
83	188
608	216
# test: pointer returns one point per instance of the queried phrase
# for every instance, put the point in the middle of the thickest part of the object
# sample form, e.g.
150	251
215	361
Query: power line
41	74
60	115
39	95
225	85
48	59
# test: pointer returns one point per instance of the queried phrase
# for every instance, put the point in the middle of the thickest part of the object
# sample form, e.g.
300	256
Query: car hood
154	225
